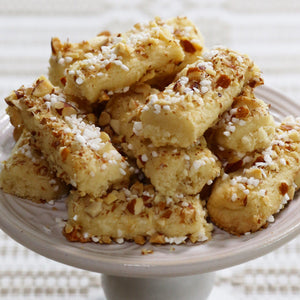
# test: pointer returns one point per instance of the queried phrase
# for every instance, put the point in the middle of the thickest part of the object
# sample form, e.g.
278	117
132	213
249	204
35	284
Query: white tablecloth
269	31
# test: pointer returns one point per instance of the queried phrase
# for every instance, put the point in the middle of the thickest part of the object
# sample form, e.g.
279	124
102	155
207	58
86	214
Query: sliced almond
121	196
188	216
94	209
139	206
223	81
137	188
157	238
133	104
105	240
59	105
18	132
255	172
194	238
42	87
104	136
68	111
283	188
64	153
115	124
242	112
14	116
111	197
146	251
140	240
130	206
294	136
68	228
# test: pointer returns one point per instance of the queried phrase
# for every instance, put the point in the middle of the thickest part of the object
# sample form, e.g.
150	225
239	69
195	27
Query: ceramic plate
39	227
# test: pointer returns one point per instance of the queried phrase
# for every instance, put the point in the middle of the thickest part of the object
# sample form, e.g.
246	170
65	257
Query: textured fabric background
269	31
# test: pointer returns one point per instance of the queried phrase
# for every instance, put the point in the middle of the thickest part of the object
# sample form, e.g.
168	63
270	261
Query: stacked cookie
134	127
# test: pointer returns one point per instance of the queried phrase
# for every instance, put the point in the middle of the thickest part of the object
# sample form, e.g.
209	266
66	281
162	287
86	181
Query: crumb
146	251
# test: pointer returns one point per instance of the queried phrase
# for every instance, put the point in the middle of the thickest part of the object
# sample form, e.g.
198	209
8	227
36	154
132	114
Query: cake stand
171	271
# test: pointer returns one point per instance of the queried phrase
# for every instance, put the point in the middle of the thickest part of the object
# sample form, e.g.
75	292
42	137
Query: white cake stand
174	272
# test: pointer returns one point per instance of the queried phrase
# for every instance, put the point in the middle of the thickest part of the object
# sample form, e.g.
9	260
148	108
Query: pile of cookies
152	137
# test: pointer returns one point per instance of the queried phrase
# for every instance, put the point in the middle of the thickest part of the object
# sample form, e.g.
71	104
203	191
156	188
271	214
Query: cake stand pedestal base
196	287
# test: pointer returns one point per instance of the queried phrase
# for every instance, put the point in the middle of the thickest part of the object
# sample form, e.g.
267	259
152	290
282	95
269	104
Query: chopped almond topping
130	206
64	153
283	188
157	238
242	112
146	251
140	240
223	81
187	46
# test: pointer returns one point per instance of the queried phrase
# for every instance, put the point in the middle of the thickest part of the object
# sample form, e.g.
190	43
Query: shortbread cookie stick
181	29
247	199
191	41
27	174
81	154
200	94
171	170
138	214
246	127
137	55
16	119
64	55
190	38
175	171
